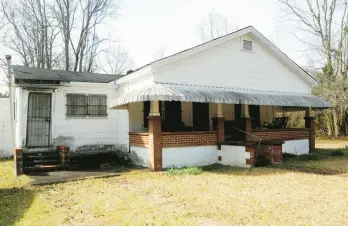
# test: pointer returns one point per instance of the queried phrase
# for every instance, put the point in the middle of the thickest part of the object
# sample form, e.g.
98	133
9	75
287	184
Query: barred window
82	105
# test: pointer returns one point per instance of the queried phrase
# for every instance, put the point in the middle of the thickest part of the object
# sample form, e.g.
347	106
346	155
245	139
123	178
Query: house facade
55	108
205	105
208	104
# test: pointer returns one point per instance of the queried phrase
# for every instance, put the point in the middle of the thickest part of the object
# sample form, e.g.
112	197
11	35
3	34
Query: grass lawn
303	191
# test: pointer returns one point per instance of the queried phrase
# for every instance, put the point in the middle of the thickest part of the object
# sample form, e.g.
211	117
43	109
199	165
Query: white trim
134	75
290	63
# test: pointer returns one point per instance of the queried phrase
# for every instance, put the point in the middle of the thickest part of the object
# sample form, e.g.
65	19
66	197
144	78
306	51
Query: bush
337	153
308	157
288	155
185	171
262	160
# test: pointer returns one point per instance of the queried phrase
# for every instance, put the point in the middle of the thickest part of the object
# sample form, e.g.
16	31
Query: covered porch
177	125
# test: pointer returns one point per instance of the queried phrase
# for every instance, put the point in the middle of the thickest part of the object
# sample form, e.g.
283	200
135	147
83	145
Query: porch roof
207	94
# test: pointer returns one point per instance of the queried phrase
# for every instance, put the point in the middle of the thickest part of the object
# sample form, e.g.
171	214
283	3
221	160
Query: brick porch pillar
309	123
220	124
18	161
155	137
247	123
247	128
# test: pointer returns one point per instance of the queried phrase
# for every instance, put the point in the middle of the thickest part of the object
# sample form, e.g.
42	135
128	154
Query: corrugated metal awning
193	93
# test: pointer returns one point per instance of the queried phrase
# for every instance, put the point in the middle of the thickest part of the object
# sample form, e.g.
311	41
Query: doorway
39	120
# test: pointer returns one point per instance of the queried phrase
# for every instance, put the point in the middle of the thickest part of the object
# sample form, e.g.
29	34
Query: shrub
288	155
308	157
337	153
185	171
262	160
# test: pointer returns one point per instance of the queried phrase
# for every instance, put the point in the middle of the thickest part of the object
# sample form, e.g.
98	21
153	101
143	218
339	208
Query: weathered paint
189	156
77	131
296	147
233	155
139	156
5	128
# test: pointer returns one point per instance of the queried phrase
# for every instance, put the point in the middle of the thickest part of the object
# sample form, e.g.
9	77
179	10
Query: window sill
91	118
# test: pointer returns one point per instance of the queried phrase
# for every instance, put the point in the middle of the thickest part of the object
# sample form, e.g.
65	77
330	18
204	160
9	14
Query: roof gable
247	30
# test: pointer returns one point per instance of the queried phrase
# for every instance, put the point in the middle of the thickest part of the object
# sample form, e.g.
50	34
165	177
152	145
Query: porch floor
42	178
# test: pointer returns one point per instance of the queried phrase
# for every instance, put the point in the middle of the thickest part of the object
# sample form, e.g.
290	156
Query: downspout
10	81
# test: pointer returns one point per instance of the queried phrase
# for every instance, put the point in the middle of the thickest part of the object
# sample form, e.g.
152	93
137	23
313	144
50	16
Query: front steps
41	161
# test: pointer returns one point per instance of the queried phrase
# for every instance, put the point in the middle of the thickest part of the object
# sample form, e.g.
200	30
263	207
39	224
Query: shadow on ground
14	203
320	162
74	175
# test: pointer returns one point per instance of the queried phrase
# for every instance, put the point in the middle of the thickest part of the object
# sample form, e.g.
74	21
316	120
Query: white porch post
245	111
219	110
154	108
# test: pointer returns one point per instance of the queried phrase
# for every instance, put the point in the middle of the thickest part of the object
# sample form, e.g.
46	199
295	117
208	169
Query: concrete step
43	168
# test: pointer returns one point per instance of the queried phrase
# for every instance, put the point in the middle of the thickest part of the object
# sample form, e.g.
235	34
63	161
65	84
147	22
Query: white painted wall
228	66
5	128
76	132
297	147
233	155
189	156
140	156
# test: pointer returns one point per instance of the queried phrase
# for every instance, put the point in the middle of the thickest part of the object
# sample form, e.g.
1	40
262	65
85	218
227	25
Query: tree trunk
328	125
335	123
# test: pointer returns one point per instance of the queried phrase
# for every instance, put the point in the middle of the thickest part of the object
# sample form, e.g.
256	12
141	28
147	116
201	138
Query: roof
193	93
30	73
249	29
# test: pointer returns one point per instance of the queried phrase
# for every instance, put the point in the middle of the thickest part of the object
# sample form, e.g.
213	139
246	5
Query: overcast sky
142	27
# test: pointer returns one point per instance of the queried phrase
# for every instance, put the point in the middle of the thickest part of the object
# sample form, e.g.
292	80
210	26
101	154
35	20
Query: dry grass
217	196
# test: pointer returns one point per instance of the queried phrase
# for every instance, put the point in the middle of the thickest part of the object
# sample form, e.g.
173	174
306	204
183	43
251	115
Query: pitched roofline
245	30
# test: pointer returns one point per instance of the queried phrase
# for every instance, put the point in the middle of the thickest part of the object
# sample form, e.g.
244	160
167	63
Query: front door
39	120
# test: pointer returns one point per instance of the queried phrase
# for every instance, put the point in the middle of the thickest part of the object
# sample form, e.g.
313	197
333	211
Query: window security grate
81	105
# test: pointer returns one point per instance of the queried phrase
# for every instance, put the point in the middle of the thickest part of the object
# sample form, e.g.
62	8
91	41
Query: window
82	105
247	45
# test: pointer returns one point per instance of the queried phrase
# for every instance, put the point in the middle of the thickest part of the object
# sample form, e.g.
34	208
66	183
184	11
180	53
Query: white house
204	105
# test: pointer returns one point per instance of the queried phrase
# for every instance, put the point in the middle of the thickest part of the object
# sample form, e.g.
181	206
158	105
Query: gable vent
247	45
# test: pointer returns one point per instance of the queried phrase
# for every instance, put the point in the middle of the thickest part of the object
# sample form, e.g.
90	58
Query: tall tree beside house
327	22
212	26
61	34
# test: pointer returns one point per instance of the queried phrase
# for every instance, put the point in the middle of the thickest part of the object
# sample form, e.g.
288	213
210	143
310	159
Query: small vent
247	45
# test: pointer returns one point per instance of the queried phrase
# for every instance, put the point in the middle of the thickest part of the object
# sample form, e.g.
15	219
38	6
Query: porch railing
282	134
175	139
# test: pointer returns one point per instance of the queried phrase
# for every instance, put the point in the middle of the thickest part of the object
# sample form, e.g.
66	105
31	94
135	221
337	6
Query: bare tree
31	28
64	12
29	31
213	26
327	21
159	54
116	61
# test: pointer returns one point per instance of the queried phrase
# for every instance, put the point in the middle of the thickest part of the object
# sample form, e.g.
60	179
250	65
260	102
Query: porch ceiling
193	93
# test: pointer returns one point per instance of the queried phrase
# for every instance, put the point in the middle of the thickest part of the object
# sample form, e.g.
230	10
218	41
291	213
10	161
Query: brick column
155	143
309	123
247	128
64	153
18	161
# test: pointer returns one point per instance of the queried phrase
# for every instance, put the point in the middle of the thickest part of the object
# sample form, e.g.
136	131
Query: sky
143	27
